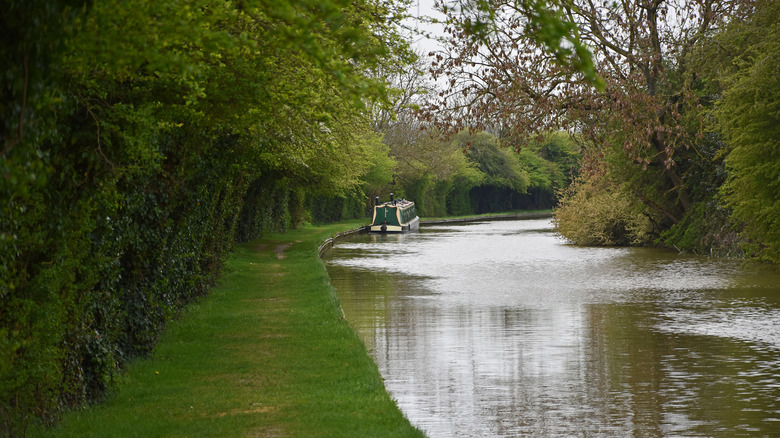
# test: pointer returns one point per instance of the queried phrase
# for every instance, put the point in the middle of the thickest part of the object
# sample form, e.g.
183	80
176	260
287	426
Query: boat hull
412	225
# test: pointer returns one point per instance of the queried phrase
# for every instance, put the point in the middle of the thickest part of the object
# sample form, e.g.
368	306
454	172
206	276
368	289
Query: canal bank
267	353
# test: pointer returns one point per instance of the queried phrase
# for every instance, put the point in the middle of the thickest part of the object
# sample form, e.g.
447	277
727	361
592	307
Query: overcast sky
424	8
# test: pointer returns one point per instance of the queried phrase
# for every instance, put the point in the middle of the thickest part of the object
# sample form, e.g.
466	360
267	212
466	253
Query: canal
503	329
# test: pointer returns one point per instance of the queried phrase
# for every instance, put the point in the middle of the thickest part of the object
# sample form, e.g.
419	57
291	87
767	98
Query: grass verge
267	353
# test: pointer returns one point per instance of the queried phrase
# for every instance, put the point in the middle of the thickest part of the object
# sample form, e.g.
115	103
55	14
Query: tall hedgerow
133	136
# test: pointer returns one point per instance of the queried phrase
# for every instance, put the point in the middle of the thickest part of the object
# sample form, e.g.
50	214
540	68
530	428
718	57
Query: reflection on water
502	329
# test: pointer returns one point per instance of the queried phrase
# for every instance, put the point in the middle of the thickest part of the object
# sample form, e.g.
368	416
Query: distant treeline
475	173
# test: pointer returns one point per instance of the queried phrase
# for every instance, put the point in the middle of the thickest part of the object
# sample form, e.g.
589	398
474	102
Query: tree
505	179
499	164
380	173
644	132
561	155
745	58
429	169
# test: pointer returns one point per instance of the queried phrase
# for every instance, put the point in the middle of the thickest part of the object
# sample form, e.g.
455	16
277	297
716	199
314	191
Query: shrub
604	217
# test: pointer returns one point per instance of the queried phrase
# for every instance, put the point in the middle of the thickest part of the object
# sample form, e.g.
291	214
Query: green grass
267	353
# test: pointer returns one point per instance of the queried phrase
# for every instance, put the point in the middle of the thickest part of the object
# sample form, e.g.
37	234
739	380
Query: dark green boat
394	216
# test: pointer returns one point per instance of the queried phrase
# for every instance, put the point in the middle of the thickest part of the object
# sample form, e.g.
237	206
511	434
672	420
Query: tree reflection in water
502	329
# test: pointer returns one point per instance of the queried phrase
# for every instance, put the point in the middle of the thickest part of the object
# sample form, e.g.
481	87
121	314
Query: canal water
503	329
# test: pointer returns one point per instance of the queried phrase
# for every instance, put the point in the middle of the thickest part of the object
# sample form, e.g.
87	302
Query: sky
421	8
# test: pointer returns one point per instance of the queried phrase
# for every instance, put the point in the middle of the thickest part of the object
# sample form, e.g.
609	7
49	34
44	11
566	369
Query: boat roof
397	203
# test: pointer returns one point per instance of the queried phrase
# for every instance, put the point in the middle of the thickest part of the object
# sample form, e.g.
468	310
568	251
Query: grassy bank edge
267	353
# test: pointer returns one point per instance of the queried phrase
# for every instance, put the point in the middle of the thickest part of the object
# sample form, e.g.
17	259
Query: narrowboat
394	216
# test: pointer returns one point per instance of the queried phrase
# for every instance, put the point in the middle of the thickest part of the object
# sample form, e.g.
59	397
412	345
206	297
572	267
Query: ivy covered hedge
139	140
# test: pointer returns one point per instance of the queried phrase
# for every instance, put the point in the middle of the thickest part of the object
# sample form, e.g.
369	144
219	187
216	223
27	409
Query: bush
327	209
605	217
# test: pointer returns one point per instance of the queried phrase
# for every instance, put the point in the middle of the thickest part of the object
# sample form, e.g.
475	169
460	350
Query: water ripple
503	329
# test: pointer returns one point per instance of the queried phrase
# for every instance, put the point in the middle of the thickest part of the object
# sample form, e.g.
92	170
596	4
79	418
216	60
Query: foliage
645	136
438	171
511	83
602	216
380	173
138	140
748	115
546	22
326	209
498	164
706	230
466	178
476	173
427	167
559	149
263	208
504	179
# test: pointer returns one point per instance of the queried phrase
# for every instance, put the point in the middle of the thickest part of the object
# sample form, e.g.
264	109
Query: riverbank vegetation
139	140
266	353
680	146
